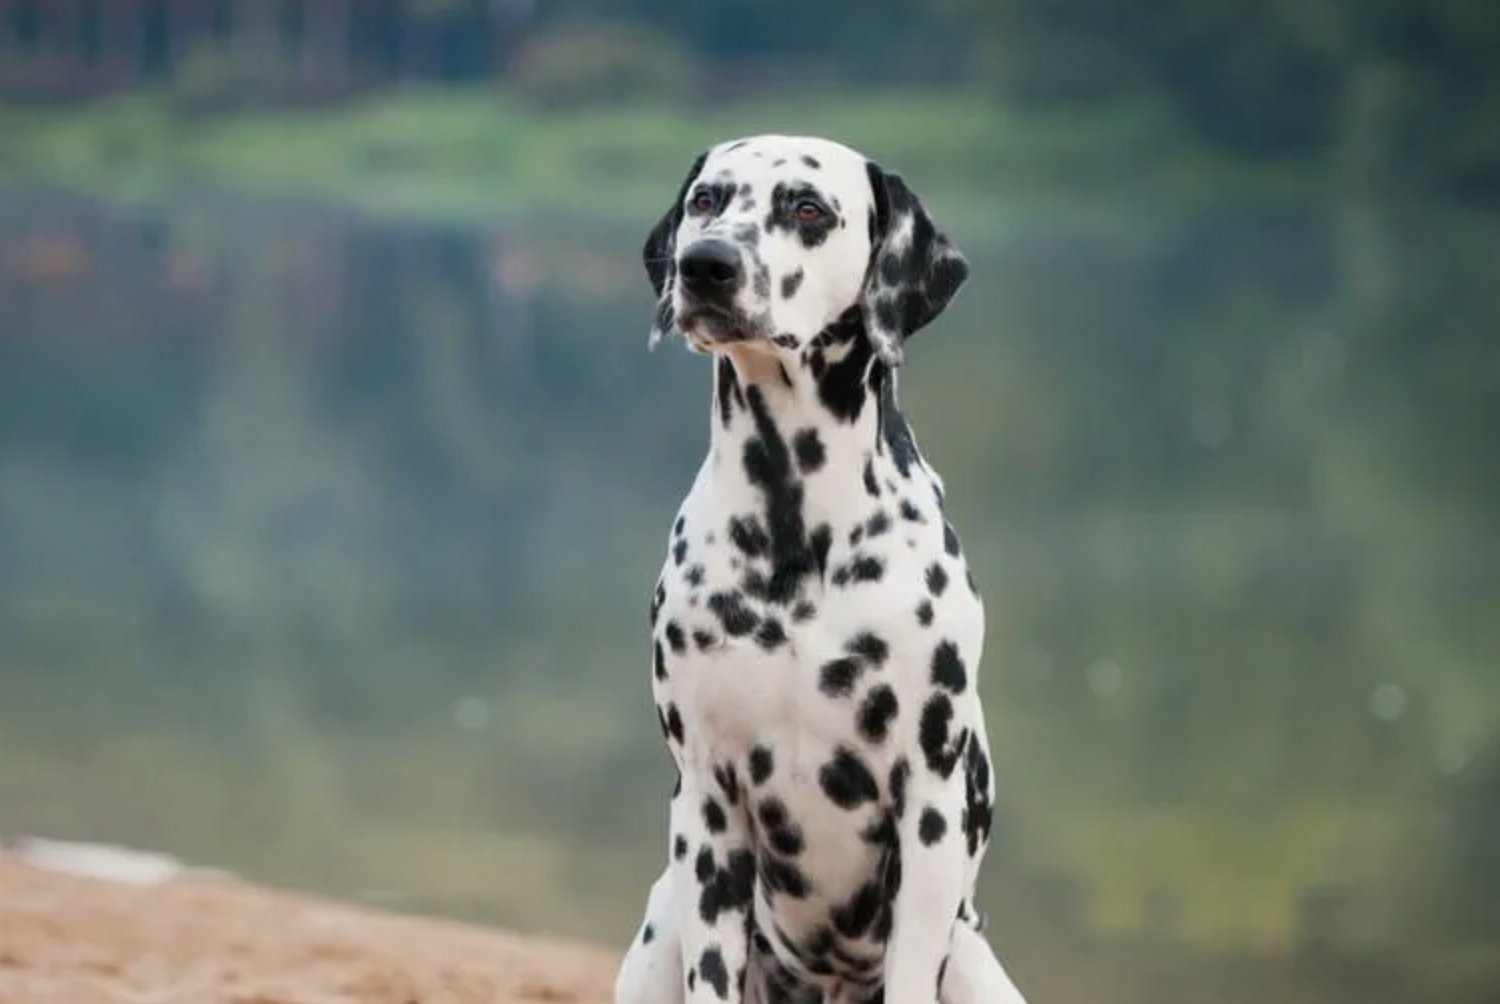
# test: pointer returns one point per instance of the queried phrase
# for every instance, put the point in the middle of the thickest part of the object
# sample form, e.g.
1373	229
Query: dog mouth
709	324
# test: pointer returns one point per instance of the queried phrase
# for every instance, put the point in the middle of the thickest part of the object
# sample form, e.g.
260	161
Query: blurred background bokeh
334	472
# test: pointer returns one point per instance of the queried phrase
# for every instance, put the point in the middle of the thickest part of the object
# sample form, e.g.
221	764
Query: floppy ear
660	255
914	270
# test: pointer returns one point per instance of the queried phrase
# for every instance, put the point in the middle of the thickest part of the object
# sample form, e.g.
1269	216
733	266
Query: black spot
931	827
785	341
877	524
842	385
856	535
713	816
809	449
755	584
803	610
692	978
761	764
783	876
733	614
735	145
768	465
657	599
877	712
674	722
978	812
811	162
900	774
854	918
679	551
911	513
822	540
937	579
782	834
711	967
703	639
866	568
770	634
725	889
869	646
778	162
729	782
679	847
647	934
846	780
871	487
932	733
694	575
727	390
881	832
677	527
948	669
950	539
837	677
746	534
924	613
659	661
675	637
895	432
703	864
789	284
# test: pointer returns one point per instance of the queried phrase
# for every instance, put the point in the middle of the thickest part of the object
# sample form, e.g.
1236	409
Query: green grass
468	154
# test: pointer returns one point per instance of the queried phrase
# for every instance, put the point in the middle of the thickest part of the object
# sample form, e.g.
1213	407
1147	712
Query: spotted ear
914	270
660	255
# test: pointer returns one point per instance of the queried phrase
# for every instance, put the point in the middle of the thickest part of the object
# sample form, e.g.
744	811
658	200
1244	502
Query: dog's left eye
808	212
702	202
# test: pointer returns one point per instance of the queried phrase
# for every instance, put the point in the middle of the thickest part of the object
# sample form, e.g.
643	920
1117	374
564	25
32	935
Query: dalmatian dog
816	631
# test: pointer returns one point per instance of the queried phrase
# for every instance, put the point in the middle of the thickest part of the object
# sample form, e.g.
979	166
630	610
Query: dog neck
824	420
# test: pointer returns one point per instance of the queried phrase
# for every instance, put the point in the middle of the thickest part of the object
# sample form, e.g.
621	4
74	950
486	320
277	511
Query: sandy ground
165	938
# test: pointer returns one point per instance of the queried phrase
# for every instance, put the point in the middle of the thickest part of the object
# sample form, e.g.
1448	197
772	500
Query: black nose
711	269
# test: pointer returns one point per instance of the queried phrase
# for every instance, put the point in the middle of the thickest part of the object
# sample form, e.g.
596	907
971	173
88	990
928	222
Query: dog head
774	238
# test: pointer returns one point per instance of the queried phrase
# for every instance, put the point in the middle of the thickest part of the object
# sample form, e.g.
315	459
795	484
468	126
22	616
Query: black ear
914	270
660	255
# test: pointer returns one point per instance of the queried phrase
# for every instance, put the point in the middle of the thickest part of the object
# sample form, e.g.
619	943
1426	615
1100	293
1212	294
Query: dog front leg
651	972
925	909
714	885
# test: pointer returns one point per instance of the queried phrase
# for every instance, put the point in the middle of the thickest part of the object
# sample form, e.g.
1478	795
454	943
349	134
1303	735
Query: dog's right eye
701	203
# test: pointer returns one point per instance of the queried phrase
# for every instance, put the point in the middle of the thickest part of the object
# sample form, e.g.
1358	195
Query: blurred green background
334	472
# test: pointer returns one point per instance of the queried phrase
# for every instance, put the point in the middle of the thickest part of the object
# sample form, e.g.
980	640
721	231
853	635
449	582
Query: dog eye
702	202
808	212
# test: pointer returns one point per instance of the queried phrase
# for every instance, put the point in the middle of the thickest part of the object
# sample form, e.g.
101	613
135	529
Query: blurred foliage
601	63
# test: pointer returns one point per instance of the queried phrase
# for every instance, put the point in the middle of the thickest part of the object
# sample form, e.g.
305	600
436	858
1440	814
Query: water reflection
325	548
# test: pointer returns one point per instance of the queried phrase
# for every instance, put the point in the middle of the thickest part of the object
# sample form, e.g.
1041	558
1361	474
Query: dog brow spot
790	283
